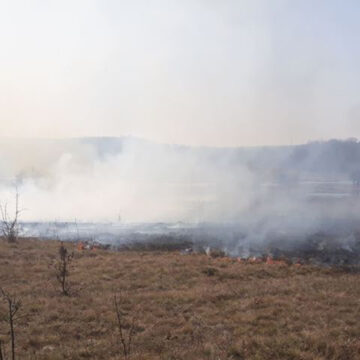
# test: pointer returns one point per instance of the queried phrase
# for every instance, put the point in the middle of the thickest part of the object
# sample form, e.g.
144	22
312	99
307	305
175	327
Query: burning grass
184	306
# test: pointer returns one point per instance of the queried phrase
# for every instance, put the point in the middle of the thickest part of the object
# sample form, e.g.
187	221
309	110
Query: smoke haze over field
133	180
102	179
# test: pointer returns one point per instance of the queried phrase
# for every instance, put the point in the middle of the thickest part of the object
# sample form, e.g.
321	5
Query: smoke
99	180
252	194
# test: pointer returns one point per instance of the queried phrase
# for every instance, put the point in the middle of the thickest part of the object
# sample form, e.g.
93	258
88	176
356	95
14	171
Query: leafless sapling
2	351
62	269
125	326
13	304
10	224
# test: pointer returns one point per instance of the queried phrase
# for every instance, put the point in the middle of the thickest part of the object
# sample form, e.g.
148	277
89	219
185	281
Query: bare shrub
126	325
10	224
62	269
14	304
210	271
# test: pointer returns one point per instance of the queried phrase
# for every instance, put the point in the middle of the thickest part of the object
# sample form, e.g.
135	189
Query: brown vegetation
185	307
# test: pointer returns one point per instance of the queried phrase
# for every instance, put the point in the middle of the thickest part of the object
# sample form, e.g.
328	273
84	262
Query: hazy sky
201	72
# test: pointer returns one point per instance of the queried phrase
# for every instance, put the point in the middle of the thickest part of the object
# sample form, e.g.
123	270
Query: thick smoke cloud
241	197
135	180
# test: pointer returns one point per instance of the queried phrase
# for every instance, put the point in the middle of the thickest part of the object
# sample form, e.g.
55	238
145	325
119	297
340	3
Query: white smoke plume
283	190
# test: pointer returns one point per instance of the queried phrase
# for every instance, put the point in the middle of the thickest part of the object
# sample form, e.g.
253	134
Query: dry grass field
179	306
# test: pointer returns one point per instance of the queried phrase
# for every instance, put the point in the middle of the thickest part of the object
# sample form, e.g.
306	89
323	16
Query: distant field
184	306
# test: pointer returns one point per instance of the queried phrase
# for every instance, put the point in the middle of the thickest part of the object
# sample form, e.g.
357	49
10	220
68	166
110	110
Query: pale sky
197	72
